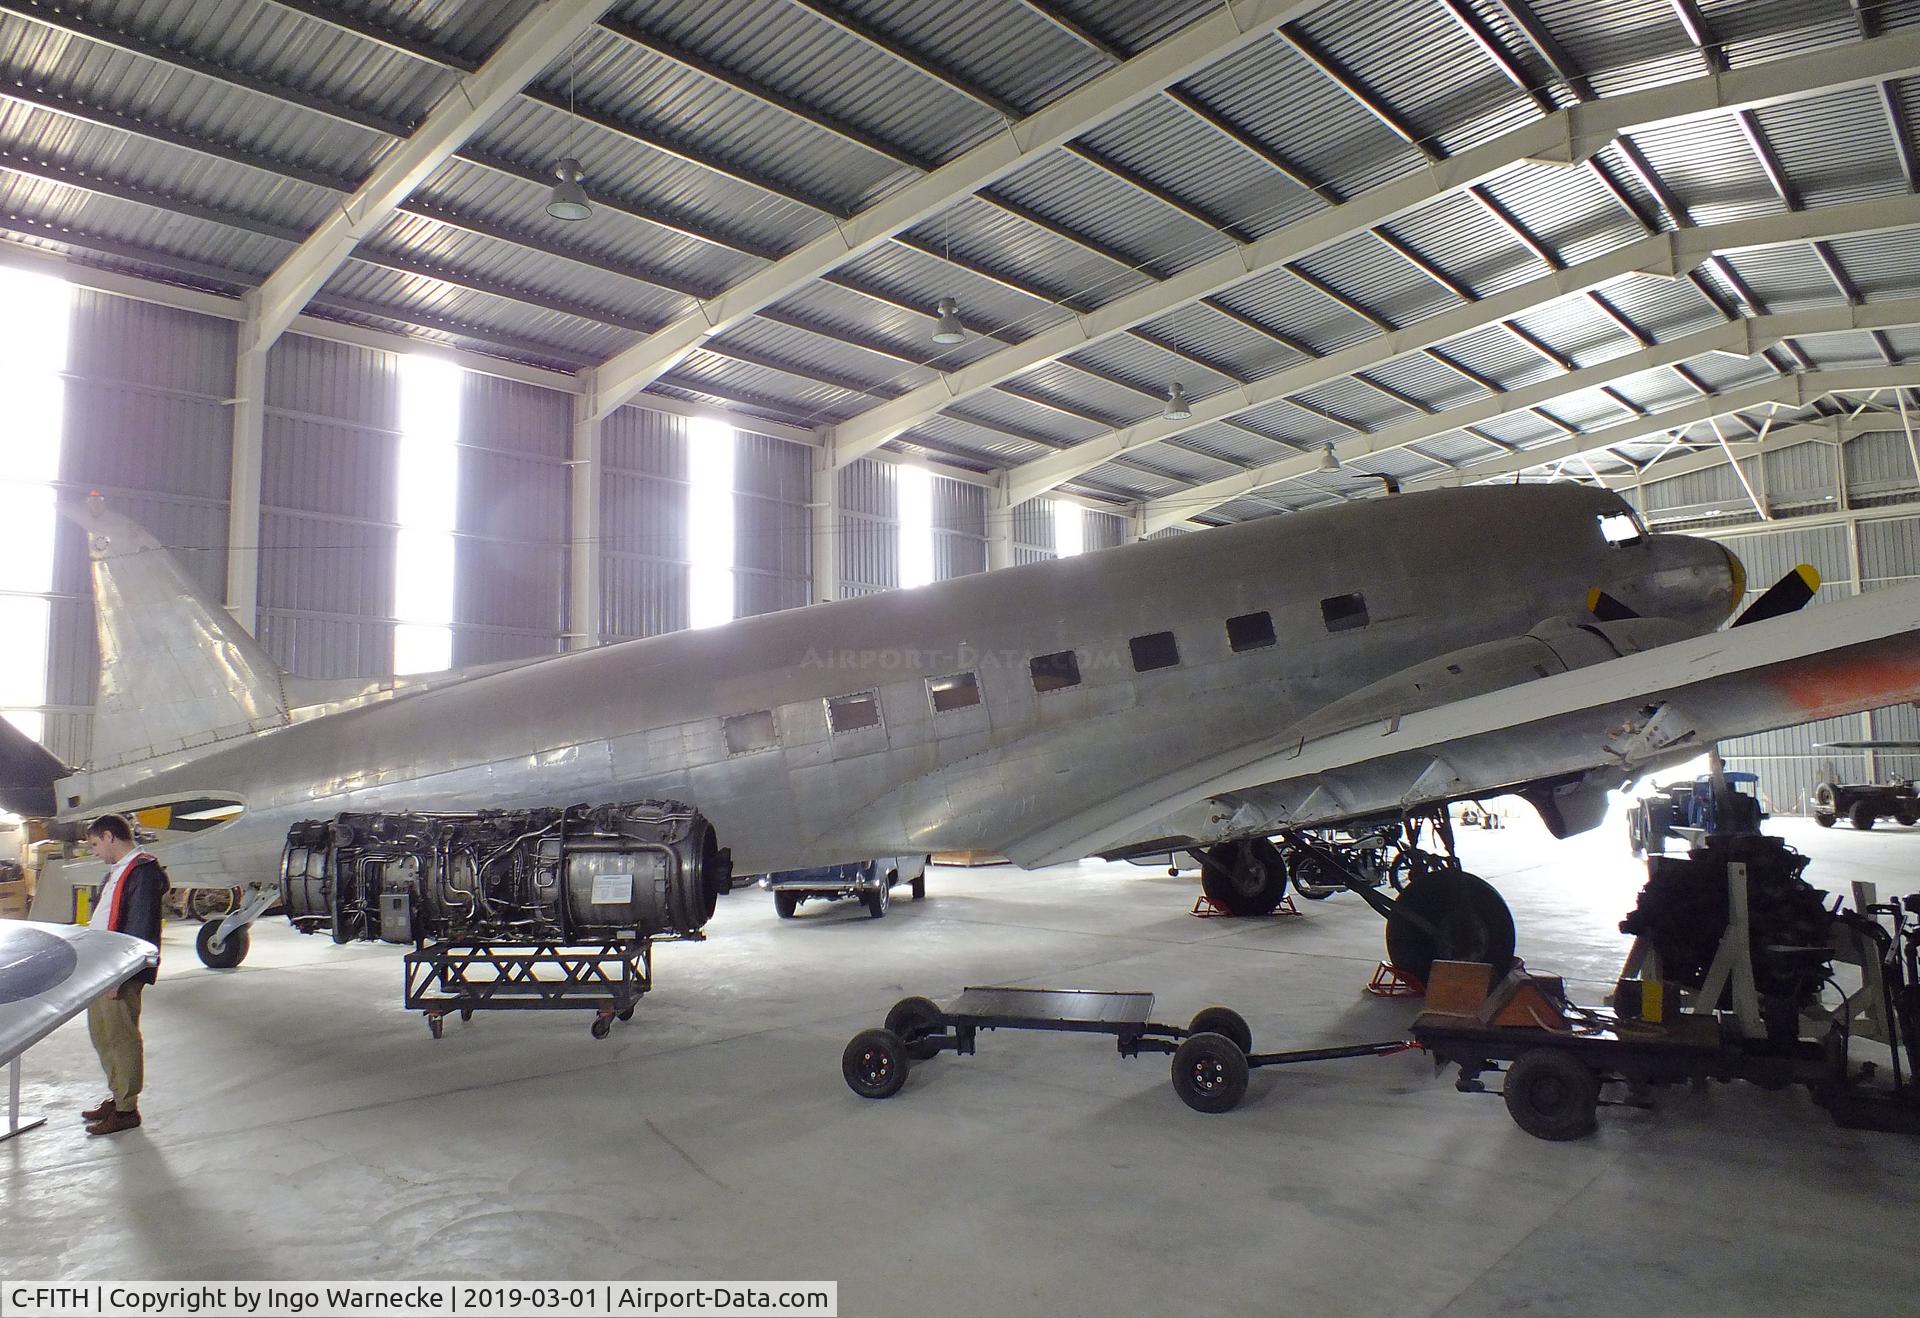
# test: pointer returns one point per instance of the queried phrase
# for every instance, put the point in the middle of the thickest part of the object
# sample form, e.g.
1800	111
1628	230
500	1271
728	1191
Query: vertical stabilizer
176	672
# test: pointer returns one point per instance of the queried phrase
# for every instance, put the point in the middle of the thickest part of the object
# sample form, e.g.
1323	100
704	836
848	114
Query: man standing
129	904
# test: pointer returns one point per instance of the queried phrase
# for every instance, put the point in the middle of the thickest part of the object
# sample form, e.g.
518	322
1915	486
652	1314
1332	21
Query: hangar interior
433	334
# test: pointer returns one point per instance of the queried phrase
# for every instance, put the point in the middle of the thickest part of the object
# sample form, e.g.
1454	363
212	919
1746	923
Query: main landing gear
222	944
1442	913
1243	878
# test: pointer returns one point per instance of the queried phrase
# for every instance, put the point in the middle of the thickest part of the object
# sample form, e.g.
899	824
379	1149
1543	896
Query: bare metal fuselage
1439	572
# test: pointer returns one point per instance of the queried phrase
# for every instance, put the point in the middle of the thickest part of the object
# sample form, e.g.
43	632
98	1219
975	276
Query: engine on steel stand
543	908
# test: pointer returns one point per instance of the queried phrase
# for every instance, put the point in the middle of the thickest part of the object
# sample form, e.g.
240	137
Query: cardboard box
15	898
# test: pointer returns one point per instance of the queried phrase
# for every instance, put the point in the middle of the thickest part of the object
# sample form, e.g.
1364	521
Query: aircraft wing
1613	719
50	972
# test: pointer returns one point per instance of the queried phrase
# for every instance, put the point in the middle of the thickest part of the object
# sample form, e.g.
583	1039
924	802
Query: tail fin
176	672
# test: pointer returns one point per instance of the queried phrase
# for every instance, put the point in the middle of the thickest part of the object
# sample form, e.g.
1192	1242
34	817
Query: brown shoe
115	1122
106	1109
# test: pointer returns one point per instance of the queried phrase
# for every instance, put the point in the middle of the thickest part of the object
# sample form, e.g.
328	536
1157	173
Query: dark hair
113	826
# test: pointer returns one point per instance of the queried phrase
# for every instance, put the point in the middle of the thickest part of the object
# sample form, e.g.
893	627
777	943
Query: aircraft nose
1691	579
1736	578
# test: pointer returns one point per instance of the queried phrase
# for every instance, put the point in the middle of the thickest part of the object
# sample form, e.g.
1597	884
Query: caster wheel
436	1027
1224	1021
602	1026
875	1063
625	1014
1210	1073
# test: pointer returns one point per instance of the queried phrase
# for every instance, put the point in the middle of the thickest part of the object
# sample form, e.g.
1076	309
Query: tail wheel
1244	878
221	953
1449	915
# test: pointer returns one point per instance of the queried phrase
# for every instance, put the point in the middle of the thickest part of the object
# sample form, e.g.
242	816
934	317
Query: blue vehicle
870	881
1687	811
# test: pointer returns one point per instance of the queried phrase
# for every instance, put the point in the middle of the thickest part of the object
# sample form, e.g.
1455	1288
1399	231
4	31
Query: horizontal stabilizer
28	772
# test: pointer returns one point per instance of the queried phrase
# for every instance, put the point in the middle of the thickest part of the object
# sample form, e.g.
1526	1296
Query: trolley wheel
878	900
919	1024
602	1026
1223	1021
435	1026
1552	1095
785	904
221	953
1471	919
466	1014
1862	816
625	1014
1210	1073
875	1063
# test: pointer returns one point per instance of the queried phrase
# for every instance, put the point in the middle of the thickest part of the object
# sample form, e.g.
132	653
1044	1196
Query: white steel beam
1742	338
1222	32
539	39
586	475
1566	136
1664	253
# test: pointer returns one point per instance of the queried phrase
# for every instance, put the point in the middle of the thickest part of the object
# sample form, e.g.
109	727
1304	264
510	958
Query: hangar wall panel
1033	532
643	524
1105	530
327	508
146	425
869	528
959	528
510	560
773	528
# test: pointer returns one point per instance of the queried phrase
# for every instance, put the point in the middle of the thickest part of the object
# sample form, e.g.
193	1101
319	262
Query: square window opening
1250	631
956	691
851	713
1621	529
1344	613
1054	672
1158	650
747	733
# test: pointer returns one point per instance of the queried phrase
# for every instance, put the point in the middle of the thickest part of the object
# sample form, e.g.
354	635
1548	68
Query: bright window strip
710	457
36	314
426	497
916	525
1069	529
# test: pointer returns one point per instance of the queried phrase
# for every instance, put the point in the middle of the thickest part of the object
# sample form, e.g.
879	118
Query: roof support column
583	517
825	507
999	528
244	472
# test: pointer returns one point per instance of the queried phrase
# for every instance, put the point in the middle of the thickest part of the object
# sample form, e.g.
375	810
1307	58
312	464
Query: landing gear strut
222	944
1243	878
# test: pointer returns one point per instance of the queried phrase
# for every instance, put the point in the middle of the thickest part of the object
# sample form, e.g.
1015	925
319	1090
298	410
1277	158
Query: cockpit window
1621	529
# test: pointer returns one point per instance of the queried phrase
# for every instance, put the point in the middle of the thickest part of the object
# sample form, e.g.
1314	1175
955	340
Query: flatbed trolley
1211	1055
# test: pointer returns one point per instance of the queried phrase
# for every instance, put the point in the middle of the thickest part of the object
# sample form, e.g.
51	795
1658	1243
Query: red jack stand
1205	907
1390	981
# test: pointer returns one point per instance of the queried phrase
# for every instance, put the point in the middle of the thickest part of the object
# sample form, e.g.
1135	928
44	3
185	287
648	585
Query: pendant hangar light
1177	408
567	200
949	329
1329	460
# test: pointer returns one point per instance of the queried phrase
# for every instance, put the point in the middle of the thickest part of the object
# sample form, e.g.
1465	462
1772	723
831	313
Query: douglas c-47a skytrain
1205	693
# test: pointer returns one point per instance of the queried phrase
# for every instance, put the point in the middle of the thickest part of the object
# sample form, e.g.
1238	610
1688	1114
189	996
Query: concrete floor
301	1126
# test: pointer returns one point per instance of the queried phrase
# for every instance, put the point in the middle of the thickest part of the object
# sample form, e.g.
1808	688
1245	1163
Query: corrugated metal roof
1000	46
1043	424
1662	308
1457	234
1835	148
1420	377
1709	167
1282	299
467	29
983	235
1576	329
990	446
826	357
1881	265
1785	278
404	294
1080	392
1378	278
1235	444
1568	211
1221	340
1353	402
1500	357
916	277
1093	203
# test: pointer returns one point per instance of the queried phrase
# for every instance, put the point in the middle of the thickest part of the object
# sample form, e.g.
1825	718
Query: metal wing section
50	972
1618	717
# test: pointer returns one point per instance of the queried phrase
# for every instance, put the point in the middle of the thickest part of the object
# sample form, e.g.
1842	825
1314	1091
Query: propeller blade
1606	608
1787	595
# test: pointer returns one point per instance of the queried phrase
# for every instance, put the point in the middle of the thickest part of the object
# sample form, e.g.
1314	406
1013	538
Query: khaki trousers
114	1024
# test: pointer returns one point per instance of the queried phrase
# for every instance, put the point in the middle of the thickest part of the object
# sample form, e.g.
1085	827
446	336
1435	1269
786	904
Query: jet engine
575	875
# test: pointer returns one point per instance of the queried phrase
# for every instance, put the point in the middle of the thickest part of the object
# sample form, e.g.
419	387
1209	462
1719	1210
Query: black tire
786	904
919	888
918	1022
1254	881
221	954
1226	1022
1905	819
1310	877
625	1014
1210	1073
1825	821
878	900
602	1026
1473	921
1863	816
1552	1095
875	1063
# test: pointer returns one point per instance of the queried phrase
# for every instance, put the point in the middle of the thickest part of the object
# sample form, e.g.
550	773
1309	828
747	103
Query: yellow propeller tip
1808	573
1593	600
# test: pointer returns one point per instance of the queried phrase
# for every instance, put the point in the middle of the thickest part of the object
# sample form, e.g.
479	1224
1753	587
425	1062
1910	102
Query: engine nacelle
582	874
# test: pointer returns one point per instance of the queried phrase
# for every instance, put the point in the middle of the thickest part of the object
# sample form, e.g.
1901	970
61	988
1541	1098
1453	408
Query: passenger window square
1344	613
1250	631
958	691
1155	651
747	733
851	713
1055	672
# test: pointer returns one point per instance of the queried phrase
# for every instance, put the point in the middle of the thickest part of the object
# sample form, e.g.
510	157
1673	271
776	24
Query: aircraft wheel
875	1063
1254	878
221	953
1862	816
1551	1094
1470	920
785	904
1210	1073
918	1022
1226	1022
